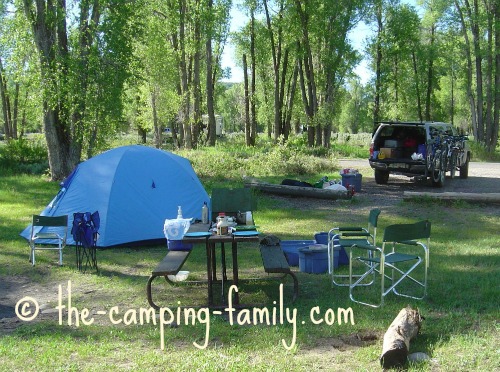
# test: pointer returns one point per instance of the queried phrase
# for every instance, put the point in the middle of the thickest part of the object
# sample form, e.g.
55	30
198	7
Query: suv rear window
396	136
435	130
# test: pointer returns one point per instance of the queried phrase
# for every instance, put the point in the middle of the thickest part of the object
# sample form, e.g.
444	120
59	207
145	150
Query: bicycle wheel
437	171
453	164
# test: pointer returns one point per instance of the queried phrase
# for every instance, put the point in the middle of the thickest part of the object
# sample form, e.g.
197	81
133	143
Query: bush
25	155
479	152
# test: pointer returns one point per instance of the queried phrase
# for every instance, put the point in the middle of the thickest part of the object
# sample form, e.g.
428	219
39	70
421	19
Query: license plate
400	165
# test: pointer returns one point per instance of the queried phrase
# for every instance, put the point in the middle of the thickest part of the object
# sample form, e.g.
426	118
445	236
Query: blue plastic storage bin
343	258
354	180
179	245
291	249
313	261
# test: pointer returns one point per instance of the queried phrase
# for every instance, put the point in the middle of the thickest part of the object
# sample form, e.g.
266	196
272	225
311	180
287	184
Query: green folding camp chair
343	237
57	231
396	265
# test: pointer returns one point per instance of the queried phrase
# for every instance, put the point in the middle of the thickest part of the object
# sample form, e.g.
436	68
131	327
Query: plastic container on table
178	245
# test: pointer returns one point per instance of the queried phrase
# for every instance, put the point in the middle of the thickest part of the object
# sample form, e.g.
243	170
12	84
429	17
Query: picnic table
273	260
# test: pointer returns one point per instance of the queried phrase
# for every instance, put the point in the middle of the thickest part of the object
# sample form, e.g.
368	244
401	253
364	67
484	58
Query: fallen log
467	196
310	192
397	338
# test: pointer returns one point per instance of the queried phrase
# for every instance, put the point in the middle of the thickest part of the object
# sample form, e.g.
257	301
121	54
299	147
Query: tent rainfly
134	188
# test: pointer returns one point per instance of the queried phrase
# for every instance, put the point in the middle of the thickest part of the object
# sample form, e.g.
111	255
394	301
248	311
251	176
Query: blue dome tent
134	188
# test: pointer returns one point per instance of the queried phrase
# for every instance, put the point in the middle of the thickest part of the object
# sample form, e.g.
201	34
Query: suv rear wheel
381	177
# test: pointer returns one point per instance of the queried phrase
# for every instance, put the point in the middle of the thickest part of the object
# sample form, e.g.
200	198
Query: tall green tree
83	53
325	60
196	32
480	26
18	74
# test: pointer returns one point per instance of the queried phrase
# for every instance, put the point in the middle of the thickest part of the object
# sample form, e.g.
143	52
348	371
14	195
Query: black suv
418	149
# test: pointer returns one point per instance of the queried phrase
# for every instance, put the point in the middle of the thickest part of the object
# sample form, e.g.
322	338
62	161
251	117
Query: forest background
84	72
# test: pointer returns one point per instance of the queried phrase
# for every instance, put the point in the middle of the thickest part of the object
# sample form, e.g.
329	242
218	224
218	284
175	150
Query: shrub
25	155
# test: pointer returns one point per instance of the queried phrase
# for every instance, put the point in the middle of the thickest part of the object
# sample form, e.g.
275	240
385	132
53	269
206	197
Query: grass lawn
460	331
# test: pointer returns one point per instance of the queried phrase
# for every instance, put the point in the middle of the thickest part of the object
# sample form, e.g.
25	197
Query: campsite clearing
459	333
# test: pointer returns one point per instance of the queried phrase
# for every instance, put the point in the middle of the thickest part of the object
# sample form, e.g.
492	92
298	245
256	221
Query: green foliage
25	155
232	159
481	153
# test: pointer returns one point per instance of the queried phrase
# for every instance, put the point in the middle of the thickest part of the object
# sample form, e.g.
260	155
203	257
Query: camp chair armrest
366	246
47	236
348	228
408	242
413	243
350	234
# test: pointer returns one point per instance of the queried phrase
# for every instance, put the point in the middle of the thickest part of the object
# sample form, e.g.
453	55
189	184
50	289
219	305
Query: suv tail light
371	150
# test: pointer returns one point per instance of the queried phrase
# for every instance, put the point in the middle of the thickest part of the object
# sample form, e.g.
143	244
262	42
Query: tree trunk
430	78
308	67
291	97
253	108
16	111
488	116
496	109
282	96
48	26
276	53
378	63
210	83
417	88
184	127
397	338
156	125
473	15
247	101
5	104
197	122
468	56
396	86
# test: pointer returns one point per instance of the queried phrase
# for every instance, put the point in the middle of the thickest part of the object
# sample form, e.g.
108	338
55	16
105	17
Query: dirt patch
336	352
17	290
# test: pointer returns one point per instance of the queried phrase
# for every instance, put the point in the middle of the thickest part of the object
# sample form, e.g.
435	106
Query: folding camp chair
45	231
85	232
400	238
342	237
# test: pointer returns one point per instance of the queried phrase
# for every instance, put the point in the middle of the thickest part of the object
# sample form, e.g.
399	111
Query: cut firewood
397	338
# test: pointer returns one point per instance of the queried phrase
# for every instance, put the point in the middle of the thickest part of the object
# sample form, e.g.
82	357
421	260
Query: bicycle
436	159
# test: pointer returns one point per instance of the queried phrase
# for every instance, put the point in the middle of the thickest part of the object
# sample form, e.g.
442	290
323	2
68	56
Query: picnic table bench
275	262
170	265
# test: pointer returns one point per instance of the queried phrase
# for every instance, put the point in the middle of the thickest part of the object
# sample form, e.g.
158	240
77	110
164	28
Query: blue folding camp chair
85	232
